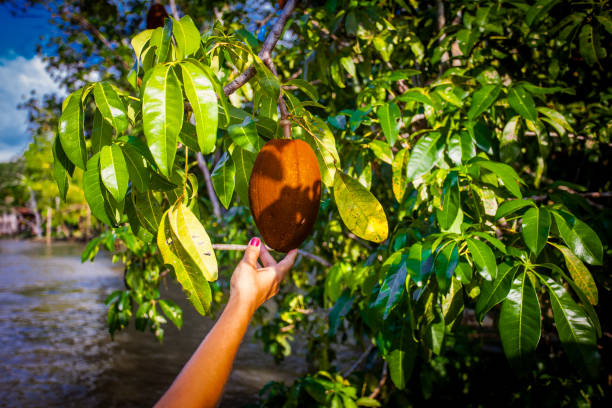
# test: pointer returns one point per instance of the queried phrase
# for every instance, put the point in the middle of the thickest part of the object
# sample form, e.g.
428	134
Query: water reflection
55	349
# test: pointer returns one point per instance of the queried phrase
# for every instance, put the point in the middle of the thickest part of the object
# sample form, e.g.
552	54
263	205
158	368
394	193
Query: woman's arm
201	381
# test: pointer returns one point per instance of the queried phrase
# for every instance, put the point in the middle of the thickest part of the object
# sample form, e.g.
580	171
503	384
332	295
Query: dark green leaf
588	48
579	237
139	175
244	161
224	179
521	101
575	330
94	191
172	312
394	283
493	292
445	264
511	206
482	99
483	258
113	169
424	155
338	311
506	174
520	321
101	134
390	119
536	226
450	201
245	135
71	131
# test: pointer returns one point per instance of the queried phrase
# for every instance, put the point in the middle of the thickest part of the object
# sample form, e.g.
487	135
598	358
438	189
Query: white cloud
18	77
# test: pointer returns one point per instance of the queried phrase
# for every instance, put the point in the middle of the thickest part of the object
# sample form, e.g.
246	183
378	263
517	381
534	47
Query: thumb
252	252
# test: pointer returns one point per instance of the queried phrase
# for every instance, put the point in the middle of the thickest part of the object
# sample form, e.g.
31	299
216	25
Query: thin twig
236	247
382	381
174	10
209	186
266	48
359	361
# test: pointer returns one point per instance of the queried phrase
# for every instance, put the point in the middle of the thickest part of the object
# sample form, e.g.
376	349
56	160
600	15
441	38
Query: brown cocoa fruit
156	16
285	192
281	4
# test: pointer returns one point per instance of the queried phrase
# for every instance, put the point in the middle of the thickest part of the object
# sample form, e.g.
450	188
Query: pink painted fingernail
254	242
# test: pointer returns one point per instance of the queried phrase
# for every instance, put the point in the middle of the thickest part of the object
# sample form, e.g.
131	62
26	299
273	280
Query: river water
55	349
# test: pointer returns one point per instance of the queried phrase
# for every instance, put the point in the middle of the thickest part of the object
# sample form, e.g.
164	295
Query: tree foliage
436	130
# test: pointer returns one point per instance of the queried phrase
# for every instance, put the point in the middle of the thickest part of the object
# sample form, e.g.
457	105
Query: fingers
266	258
252	252
286	263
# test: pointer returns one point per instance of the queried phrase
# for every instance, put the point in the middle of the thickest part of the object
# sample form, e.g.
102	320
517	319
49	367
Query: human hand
253	284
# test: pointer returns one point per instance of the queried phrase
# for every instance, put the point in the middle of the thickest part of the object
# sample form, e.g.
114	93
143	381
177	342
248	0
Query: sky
21	71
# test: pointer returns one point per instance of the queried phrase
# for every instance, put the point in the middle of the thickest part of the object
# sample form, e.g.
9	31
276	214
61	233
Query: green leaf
493	292
420	262
338	311
162	117
305	87
381	150
450	201
576	333
245	135
394	283
579	237
556	117
483	258
359	209
417	96
203	100
511	206
399	178
390	119
224	179
424	155
161	39
520	321
367	402
113	169
521	101
445	263
464	272
196	286
506	174
538	10
186	35
580	274
605	21
402	354
139	175
111	106
101	134
147	209
536	226
244	161
172	312
70	128
482	99
587	44
93	190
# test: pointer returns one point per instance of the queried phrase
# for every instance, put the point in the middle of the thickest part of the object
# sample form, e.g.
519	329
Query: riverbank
56	351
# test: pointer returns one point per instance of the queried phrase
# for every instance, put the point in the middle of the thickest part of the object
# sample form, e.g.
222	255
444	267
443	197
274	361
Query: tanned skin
201	382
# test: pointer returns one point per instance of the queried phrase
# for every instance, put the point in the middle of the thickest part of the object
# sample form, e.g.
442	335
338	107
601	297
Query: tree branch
209	186
266	49
382	381
235	247
359	361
